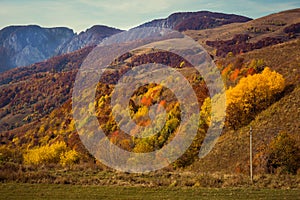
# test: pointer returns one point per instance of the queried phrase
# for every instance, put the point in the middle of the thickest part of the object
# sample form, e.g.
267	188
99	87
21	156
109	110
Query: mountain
195	20
25	45
90	37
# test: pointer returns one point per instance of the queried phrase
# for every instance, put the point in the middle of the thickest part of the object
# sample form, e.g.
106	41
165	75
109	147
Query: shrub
55	153
69	158
284	153
10	155
251	95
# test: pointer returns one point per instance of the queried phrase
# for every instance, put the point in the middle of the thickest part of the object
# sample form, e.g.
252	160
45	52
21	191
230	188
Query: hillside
36	107
29	93
231	153
243	37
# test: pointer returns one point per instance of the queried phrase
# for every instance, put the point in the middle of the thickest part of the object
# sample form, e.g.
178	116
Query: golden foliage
251	95
55	153
205	112
141	116
69	158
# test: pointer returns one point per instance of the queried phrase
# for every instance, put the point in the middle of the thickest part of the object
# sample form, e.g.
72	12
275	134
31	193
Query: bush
284	154
251	95
69	158
10	155
55	153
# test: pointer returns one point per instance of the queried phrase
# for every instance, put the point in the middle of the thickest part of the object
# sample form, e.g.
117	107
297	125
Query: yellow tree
251	95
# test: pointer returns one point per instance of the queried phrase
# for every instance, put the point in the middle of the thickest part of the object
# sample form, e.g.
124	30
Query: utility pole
251	164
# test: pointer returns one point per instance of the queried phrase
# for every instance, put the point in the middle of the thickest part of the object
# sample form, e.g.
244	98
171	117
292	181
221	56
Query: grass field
60	191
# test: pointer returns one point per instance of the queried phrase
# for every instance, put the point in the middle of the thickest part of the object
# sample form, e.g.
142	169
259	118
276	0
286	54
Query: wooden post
251	162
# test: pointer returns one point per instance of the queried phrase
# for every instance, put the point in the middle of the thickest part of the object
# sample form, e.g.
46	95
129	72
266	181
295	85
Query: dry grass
85	175
274	23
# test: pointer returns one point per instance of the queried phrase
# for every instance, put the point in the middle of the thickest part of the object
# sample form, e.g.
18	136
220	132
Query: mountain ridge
17	49
25	45
182	21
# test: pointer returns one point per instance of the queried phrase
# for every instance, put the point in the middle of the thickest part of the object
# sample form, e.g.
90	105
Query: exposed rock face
25	45
91	36
195	20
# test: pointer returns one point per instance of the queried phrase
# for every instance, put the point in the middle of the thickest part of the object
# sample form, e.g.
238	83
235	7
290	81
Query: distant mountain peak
182	21
27	44
92	36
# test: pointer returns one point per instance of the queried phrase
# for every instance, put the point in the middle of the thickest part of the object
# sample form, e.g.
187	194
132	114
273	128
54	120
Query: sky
123	14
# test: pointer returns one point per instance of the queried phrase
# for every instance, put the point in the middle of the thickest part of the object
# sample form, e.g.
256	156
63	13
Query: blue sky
82	14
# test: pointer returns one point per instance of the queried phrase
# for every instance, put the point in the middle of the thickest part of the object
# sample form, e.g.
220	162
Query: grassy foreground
60	191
